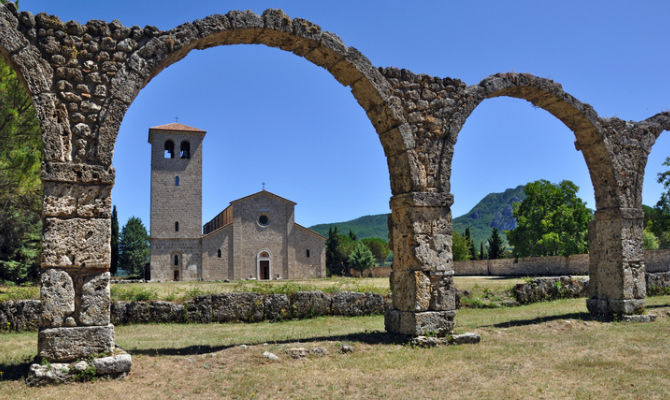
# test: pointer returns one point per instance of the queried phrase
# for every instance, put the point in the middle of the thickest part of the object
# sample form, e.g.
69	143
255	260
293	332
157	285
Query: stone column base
116	366
72	343
606	308
411	323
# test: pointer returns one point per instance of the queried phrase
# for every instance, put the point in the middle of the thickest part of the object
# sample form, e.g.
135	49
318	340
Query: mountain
494	210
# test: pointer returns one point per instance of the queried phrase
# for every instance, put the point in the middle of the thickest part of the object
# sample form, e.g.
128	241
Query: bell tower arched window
185	149
176	226
169	149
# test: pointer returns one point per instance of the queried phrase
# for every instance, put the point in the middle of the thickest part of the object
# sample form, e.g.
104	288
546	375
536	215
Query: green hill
494	210
364	227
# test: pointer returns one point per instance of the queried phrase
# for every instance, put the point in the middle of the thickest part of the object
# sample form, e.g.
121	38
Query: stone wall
24	315
578	264
545	289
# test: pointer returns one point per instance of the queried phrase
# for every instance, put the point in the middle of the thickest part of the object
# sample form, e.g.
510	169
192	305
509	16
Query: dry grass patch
548	350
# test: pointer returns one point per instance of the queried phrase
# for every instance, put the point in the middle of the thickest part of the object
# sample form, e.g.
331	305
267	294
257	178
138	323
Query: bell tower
176	202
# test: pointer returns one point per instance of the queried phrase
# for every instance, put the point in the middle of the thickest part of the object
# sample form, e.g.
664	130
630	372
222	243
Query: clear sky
276	118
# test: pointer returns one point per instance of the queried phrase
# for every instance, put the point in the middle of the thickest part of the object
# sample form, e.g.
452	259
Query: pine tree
134	247
352	235
495	245
114	264
334	262
361	258
471	244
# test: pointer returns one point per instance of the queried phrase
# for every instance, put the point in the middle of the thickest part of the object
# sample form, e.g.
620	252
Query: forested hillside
494	210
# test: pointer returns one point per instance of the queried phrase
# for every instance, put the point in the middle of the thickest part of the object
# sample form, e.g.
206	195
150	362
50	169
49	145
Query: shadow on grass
14	372
366	337
582	316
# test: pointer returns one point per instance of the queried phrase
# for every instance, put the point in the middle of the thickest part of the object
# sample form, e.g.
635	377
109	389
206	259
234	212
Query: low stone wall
658	283
544	289
23	315
578	264
376	272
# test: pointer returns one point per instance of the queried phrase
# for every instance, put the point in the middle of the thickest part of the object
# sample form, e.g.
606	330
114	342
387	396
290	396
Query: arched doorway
264	265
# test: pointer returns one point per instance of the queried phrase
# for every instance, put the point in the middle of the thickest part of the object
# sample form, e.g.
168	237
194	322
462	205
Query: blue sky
274	117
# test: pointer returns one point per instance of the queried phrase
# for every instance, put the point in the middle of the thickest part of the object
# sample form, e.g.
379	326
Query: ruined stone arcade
83	78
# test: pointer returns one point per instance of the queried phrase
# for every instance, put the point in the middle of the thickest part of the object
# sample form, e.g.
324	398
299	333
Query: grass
549	350
182	291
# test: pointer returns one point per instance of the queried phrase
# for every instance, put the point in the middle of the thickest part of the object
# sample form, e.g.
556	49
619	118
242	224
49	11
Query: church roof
266	193
176	127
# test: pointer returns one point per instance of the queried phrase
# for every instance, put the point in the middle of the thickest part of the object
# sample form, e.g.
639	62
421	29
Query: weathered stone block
305	304
118	312
164	311
50	374
199	309
277	307
57	296
76	242
67	344
138	312
442	291
72	200
419	323
95	300
237	307
410	290
113	365
356	303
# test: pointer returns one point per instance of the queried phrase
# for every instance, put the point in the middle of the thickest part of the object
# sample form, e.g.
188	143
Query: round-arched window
263	220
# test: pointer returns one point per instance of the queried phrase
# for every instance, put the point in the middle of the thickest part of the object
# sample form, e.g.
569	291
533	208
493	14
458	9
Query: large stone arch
274	29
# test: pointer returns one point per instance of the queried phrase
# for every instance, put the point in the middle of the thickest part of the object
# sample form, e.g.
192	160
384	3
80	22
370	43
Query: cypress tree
495	245
482	256
471	244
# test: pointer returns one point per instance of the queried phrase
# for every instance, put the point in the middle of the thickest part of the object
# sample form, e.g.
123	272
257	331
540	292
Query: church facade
255	237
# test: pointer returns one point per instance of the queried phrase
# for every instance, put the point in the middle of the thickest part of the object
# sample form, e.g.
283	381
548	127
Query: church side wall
162	259
215	267
313	266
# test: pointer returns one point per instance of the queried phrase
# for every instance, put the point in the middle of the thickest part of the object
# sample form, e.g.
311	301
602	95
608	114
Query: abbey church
255	237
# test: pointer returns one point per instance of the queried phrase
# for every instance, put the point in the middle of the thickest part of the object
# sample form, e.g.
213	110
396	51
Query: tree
335	262
496	248
379	248
20	184
471	244
460	248
482	255
134	247
657	219
551	221
649	240
114	264
352	235
361	258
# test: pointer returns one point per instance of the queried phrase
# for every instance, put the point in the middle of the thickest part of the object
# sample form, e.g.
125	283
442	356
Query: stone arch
580	118
274	29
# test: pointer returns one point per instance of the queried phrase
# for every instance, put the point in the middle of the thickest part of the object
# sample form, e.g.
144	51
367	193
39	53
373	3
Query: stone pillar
75	319
616	265
422	279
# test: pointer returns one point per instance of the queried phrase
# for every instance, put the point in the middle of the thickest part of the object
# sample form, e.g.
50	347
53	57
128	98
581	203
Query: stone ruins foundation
82	79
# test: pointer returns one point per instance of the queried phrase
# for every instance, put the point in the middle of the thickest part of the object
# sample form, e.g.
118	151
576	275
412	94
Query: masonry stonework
83	77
